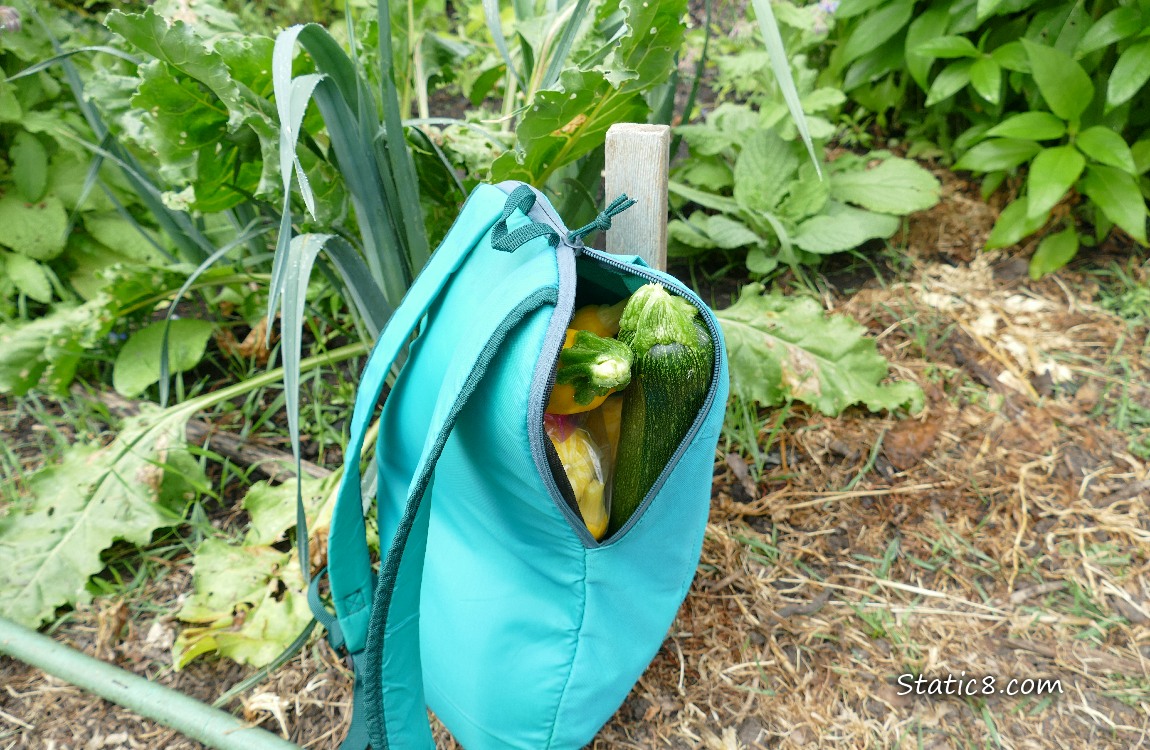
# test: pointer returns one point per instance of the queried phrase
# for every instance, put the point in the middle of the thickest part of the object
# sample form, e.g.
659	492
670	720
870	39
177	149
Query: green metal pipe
210	726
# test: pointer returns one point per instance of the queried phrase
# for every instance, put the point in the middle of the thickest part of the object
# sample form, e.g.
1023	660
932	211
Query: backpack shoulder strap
349	563
392	667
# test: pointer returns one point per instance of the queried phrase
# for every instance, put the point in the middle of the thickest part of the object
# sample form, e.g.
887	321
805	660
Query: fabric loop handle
523	199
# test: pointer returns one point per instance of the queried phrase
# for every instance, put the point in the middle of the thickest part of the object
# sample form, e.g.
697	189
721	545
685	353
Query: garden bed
1001	532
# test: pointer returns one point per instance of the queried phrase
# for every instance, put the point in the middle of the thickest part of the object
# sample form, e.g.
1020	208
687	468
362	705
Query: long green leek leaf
495	26
778	54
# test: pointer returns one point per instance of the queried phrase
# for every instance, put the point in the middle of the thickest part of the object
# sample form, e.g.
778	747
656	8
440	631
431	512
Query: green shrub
63	216
759	195
1055	89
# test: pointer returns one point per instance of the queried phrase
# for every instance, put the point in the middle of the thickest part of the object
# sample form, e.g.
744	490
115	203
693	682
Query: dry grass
1002	532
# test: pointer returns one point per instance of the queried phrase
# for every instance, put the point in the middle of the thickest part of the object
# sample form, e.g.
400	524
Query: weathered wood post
637	158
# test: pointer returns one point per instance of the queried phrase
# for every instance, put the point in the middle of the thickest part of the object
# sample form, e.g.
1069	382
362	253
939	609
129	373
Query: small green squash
674	363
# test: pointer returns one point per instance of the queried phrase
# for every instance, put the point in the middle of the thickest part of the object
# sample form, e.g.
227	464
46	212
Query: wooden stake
637	157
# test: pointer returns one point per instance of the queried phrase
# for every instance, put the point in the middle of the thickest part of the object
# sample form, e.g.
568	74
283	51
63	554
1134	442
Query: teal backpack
494	606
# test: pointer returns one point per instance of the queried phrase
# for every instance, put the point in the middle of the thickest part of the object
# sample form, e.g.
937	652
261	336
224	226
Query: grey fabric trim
541	388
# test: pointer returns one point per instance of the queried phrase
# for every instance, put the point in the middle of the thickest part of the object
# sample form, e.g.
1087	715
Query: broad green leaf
986	8
688	238
1141	153
254	580
1067	28
560	126
706	232
189	87
719	203
29	160
128	240
991	182
823	99
571	120
758	261
1032	126
708	173
1117	195
10	109
764	171
877	28
1105	146
1130	73
895	186
67	177
841	227
29	277
703	231
1012	56
852	8
180	46
996	154
1118	24
248	604
37	230
874	65
141	481
728	234
91	262
249	60
807	196
784	348
138	363
645	55
183	116
1063	83
949	82
272	508
227	177
1052	172
947	46
49	347
986	79
1054	252
705	140
930	24
1012	225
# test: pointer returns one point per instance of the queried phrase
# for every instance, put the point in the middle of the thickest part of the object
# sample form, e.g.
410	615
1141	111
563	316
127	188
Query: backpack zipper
716	371
536	437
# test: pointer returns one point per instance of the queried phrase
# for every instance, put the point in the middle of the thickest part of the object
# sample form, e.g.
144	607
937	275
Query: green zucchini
674	361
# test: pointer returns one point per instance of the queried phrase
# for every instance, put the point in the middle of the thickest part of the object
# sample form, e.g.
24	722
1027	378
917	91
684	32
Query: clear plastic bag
585	449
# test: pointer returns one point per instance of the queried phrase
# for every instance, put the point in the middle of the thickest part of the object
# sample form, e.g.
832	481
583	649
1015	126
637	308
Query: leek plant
579	67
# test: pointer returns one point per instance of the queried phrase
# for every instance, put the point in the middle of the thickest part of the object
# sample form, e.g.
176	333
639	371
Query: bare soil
1003	532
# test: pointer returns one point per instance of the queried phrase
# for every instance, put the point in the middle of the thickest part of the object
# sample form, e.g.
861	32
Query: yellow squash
601	320
580	460
562	400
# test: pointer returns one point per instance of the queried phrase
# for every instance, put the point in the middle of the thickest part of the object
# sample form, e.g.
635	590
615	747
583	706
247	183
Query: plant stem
271	376
210	726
